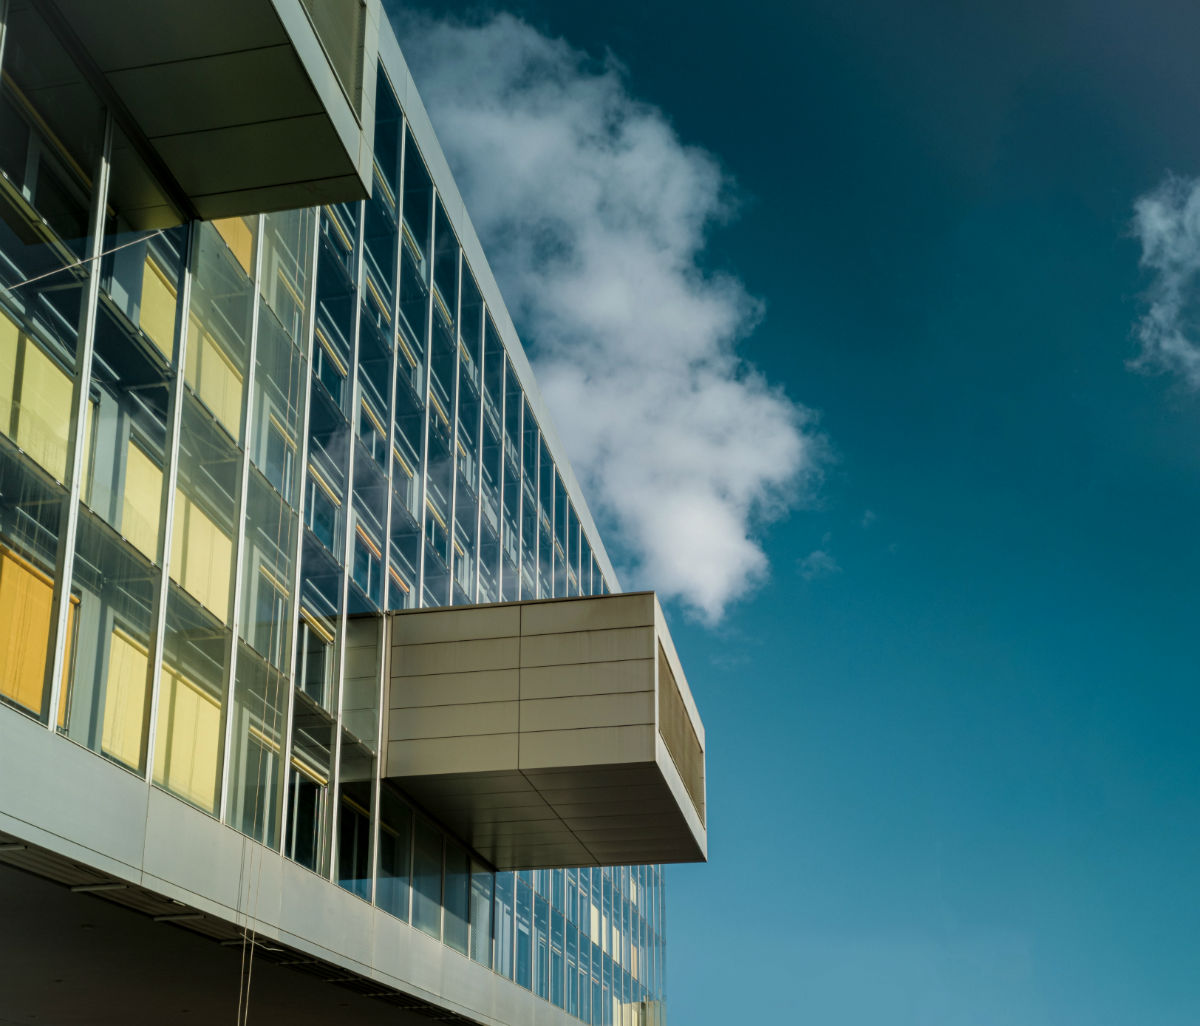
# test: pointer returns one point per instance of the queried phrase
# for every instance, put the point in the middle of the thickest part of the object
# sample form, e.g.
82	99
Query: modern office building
318	698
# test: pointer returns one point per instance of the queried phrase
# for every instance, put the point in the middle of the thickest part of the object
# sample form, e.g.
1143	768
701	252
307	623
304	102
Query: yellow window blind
140	506
125	699
188	739
157	316
201	556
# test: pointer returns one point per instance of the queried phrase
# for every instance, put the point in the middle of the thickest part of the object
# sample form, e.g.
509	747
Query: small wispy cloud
1167	223
868	518
820	562
594	215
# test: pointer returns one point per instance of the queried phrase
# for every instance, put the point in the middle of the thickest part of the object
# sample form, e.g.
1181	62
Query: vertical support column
537	516
239	540
339	660
553	519
307	342
479	463
64	562
454	424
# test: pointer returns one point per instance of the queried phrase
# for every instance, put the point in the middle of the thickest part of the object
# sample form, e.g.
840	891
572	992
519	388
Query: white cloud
817	564
594	215
1167	223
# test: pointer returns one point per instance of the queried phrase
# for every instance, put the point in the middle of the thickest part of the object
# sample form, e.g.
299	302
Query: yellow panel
88	423
157	317
214	377
143	496
45	411
25	605
188	739
125	699
201	557
10	337
238	237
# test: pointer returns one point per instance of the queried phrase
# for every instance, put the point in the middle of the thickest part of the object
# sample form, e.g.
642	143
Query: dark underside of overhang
73	953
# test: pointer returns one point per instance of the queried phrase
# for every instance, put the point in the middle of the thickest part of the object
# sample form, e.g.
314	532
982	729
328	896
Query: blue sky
952	716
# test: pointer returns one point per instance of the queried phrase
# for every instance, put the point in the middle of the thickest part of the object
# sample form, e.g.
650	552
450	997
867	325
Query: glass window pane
360	726
458	877
395	854
481	913
287	267
256	779
191	702
504	924
270	538
219	321
279	382
206	503
427	879
524	939
106	703
418	203
308	811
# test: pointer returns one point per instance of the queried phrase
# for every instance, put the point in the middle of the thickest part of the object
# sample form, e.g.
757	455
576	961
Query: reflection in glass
206	503
308	784
259	719
287	265
504	924
457	896
524	937
270	538
219	321
395	854
427	879
191	702
481	913
279	380
360	725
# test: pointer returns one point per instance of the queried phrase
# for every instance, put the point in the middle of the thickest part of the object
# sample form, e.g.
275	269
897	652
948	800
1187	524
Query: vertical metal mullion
537	511
425	424
335	771
64	562
482	361
306	343
454	426
520	491
239	545
553	522
166	527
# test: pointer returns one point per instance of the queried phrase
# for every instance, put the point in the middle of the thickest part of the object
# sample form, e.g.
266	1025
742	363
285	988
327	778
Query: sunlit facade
221	438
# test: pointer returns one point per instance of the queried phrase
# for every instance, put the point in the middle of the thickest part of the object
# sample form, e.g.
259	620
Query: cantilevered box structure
240	106
546	733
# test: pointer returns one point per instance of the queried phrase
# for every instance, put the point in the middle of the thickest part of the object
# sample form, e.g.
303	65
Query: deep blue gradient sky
955	779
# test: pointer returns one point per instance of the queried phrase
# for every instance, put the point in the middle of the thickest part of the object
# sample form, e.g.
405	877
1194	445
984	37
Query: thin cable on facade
80	263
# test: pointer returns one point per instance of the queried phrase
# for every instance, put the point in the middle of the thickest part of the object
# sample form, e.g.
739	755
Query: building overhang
550	733
248	105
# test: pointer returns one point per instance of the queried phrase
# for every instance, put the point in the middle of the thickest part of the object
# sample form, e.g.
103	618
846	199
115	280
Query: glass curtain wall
219	444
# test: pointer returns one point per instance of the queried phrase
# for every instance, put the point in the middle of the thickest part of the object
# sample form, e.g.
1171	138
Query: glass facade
219	443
